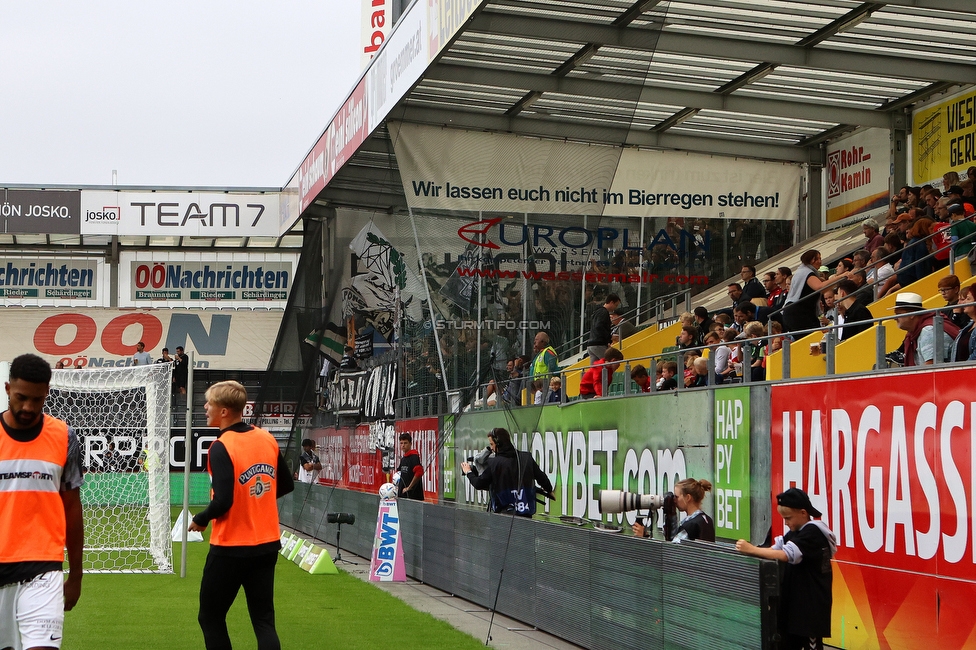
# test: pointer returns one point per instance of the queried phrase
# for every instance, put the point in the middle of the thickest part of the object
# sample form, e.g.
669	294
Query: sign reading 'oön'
258	281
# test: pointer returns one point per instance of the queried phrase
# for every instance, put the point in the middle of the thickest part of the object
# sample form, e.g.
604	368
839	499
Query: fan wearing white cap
919	343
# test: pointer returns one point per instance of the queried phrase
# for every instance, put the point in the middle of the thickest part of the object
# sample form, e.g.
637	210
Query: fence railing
511	392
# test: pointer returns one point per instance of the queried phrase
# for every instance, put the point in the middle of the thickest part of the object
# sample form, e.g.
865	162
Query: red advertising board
348	459
348	129
890	463
424	432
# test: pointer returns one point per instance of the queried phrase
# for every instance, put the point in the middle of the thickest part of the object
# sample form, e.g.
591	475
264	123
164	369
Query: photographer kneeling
510	477
688	496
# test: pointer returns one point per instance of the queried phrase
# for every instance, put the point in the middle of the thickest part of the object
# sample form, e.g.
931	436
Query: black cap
955	189
798	500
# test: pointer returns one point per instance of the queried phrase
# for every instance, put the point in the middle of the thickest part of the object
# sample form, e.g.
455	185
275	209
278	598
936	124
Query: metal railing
642	315
427	404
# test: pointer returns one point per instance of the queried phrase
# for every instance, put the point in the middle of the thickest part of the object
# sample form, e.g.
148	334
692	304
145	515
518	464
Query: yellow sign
944	137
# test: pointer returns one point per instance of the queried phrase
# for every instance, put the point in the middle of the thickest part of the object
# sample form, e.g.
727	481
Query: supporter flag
330	341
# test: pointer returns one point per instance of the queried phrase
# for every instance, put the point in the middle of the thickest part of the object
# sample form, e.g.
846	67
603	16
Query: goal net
122	419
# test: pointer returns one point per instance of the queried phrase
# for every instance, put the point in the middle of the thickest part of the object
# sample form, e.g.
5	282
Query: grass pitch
125	611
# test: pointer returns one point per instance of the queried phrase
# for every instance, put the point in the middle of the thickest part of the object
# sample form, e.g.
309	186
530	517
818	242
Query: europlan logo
107	213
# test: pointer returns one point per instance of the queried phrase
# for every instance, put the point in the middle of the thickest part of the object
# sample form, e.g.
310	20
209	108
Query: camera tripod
338	557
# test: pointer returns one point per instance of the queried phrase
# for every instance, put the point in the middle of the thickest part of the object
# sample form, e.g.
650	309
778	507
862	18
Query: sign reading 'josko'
39	211
181	214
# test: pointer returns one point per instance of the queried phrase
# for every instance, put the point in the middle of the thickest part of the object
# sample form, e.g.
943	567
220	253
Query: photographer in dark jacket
510	477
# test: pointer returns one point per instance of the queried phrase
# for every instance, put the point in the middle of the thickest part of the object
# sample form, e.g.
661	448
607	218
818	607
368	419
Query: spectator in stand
348	361
535	387
165	358
591	384
851	309
800	312
949	179
930	198
751	287
861	259
949	288
757	350
744	312
914	266
902	224
555	390
844	267
872	234
689	363
898	203
512	394
601	328
723	367
955	192
545	363
735	294
962	227
941	238
919	346
878	270
141	357
964	347
700	378
180	371
769	284
703	323
687	338
782	277
668	380
640	377
775	344
828	313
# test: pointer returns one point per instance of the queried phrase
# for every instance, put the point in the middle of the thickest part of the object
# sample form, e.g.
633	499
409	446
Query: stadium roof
769	79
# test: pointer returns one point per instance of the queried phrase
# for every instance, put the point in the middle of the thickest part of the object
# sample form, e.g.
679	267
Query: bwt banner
180	214
858	169
96	338
890	463
944	138
44	212
466	170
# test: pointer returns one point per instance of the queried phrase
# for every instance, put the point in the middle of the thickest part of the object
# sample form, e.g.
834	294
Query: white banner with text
465	170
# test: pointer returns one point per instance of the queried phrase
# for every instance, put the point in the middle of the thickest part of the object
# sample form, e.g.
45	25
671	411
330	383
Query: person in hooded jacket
510	477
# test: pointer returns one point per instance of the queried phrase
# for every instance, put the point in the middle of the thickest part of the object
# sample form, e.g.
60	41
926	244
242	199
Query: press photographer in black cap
805	592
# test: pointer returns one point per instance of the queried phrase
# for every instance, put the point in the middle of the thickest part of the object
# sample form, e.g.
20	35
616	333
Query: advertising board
889	462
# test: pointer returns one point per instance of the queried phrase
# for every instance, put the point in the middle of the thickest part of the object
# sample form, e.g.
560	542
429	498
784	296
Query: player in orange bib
40	512
247	474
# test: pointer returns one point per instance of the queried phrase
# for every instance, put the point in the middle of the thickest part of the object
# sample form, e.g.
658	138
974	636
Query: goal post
122	419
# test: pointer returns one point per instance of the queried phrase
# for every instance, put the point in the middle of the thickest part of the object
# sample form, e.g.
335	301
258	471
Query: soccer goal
122	419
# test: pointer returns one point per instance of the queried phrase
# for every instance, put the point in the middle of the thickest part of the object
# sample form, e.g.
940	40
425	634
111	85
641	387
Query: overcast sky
180	93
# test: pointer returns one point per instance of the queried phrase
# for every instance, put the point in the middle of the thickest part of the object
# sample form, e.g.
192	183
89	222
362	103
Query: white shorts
32	612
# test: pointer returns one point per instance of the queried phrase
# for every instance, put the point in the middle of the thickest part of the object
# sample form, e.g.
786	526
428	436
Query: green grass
313	612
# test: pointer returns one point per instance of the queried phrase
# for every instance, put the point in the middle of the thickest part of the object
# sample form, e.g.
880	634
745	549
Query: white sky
181	93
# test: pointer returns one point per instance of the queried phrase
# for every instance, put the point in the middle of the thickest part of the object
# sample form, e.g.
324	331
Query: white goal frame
153	462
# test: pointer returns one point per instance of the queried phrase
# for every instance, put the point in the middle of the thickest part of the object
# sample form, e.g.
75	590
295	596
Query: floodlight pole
187	447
